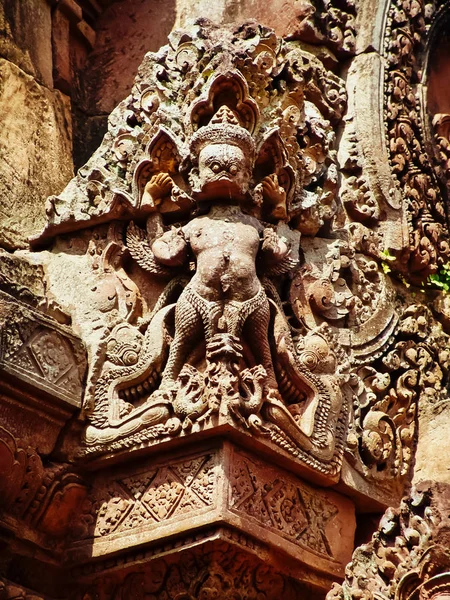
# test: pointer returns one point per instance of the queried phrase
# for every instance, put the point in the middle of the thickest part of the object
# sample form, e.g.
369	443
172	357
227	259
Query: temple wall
381	155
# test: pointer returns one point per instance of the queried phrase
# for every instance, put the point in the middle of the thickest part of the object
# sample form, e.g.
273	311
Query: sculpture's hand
159	186
275	195
274	245
171	248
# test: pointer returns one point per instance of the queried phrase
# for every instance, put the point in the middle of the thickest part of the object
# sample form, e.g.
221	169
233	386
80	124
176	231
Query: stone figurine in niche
224	296
208	178
232	352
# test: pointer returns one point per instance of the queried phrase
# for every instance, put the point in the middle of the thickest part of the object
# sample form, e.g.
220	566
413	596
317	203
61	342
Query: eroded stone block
26	27
35	146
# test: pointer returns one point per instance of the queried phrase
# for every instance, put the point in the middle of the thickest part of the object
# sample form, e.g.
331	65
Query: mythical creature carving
231	351
241	279
226	180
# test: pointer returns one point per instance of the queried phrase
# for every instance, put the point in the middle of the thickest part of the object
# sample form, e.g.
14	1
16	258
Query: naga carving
218	342
234	279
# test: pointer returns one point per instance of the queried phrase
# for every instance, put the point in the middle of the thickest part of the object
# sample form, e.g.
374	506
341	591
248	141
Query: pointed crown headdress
224	128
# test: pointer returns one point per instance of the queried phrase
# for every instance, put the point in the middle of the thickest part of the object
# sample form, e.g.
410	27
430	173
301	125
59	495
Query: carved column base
220	515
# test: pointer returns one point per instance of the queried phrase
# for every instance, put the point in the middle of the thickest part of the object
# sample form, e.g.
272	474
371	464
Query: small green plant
404	281
441	279
386	255
386	258
386	268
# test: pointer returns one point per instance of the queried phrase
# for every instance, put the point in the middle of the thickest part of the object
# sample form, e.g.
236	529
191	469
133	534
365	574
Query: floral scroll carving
408	556
215	571
411	162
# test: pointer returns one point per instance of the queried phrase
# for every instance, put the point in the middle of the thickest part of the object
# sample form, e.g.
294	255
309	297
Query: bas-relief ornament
181	489
225	485
407	35
218	569
219	179
441	130
280	503
408	557
12	591
21	474
39	350
225	171
34	495
412	368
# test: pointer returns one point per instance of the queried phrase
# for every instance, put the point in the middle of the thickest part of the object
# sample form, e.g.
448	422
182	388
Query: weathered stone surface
26	37
311	22
21	278
380	206
35	146
279	349
283	323
433	443
232	319
124	33
370	24
62	67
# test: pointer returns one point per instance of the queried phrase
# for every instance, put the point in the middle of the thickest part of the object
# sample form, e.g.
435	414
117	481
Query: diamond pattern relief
154	496
280	503
112	510
164	493
286	512
186	471
137	517
190	501
203	484
138	484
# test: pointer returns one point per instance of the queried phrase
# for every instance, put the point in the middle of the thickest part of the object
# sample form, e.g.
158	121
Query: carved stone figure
224	305
243	280
221	195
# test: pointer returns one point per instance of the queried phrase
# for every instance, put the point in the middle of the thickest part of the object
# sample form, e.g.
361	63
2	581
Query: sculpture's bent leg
256	332
188	329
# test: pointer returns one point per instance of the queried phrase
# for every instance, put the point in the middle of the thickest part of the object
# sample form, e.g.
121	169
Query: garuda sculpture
236	279
231	351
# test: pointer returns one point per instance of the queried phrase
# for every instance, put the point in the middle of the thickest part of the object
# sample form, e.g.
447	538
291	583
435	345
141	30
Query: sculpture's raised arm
278	252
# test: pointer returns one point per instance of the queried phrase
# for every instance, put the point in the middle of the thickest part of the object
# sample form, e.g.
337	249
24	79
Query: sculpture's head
223	154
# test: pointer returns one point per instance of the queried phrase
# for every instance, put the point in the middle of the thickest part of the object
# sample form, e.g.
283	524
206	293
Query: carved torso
225	243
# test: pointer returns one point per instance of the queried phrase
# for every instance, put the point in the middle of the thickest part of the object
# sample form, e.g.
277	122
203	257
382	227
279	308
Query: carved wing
139	247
